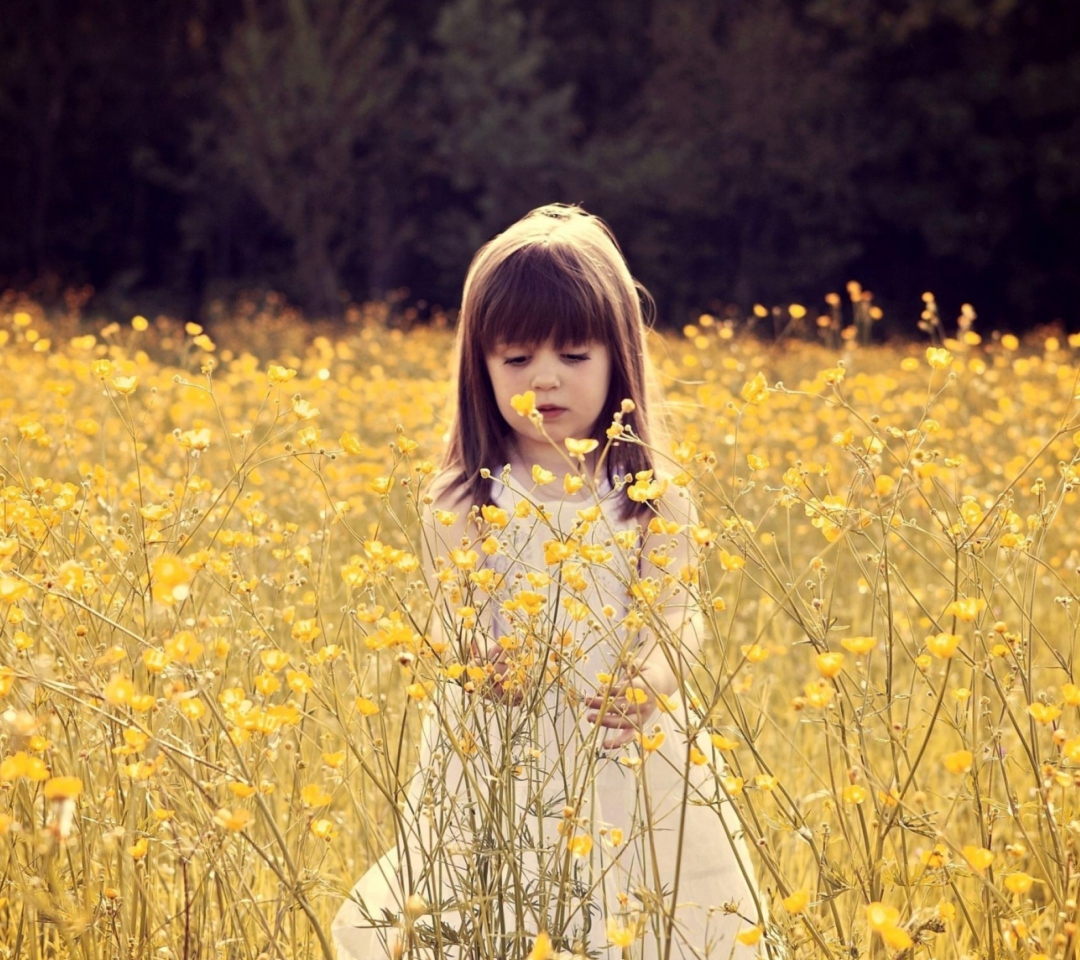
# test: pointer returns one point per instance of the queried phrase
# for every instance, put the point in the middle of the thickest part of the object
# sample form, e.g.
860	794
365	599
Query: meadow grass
217	641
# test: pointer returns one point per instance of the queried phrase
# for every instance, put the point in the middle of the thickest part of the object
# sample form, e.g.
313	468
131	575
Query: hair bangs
538	293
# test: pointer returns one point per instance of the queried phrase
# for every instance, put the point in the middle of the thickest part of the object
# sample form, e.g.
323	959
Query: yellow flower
420	690
464	559
958	762
541	476
879	915
1019	883
581	845
720	742
496	516
819	693
966	609
651	743
854	793
195	439
125	385
274	659
619	935
170	578
1044	713
524	403
119	690
23	765
730	561
63	788
938	357
896	937
645	488
139	849
756	390
350	443
580	448
943	645
367	708
234	822
541	949
155	660
750	936
323	829
797	902
314	796
303	410
859	645
12	589
278	374
299	682
829	664
732	785
306	630
192	708
978	857
267	683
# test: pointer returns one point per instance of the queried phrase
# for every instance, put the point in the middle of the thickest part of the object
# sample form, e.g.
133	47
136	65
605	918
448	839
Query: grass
217	644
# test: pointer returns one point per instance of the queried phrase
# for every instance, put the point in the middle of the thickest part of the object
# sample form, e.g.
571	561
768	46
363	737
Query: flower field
216	640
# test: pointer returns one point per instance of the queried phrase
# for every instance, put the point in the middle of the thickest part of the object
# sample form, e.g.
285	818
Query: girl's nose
545	379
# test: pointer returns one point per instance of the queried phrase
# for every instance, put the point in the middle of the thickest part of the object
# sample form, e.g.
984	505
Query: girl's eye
515	361
575	357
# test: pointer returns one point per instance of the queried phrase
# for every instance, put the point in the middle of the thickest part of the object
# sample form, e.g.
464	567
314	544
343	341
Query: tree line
743	150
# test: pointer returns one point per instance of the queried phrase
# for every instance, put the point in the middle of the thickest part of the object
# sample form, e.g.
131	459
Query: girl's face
571	387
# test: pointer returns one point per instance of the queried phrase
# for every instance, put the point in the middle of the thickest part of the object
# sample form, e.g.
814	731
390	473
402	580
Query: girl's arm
447	528
666	654
444	529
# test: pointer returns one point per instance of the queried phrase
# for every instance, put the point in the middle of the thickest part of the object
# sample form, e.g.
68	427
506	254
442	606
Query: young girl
565	788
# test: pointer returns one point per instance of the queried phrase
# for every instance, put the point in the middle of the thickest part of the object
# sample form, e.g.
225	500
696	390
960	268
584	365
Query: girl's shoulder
445	517
446	490
675	502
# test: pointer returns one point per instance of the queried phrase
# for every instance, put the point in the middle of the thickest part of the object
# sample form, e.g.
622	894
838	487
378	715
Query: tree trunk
316	272
45	125
382	249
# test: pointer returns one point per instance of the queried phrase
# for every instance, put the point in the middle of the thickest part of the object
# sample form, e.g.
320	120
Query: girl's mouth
550	411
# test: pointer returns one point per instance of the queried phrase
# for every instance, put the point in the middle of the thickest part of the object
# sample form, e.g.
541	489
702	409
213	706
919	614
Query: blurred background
164	156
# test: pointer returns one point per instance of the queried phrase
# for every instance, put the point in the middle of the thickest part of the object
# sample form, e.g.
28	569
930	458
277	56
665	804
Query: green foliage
743	151
303	94
501	136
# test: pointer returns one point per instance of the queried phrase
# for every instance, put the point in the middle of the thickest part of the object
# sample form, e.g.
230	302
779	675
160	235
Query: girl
565	789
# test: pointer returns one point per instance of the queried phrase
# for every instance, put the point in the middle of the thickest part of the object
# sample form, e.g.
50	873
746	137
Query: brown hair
557	274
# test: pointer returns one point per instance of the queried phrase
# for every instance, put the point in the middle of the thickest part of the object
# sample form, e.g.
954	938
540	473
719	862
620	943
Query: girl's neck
551	460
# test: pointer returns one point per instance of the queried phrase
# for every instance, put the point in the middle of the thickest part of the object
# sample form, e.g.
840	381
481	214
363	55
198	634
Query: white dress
518	821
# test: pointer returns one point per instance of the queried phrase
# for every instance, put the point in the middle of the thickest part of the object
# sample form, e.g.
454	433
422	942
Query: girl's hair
556	274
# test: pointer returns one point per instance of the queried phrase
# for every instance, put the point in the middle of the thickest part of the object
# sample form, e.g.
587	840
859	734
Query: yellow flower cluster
216	638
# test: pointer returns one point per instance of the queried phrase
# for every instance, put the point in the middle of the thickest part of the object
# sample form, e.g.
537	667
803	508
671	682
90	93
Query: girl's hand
497	690
631	701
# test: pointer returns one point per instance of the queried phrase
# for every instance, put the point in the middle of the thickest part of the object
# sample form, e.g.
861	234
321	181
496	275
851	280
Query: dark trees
742	150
